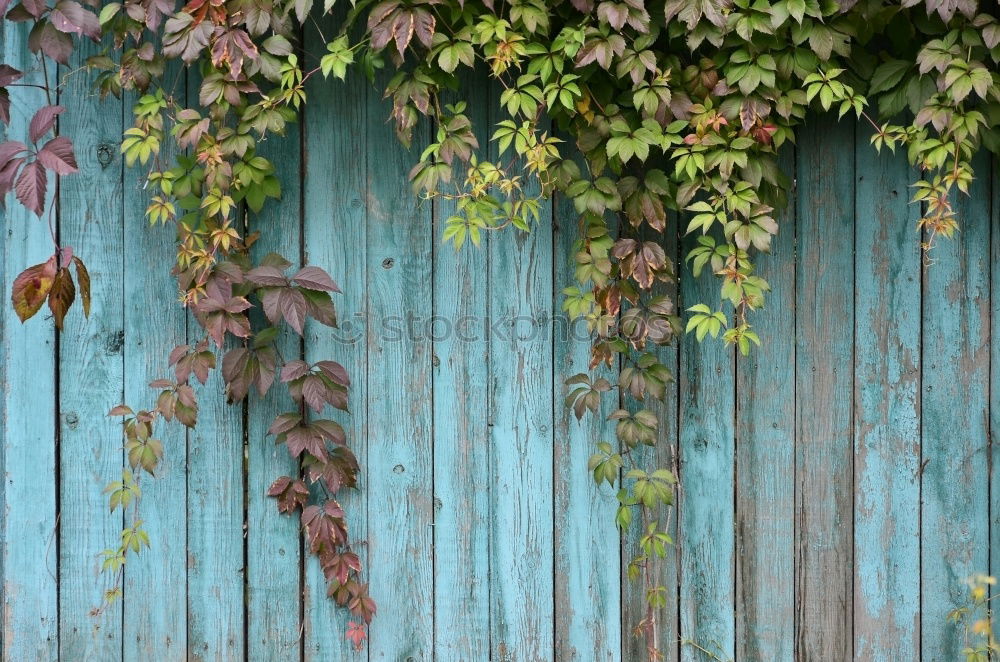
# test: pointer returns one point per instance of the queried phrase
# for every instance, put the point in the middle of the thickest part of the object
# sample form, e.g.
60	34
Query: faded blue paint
476	516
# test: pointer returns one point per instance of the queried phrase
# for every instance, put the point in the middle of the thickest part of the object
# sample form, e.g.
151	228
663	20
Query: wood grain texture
886	409
215	517
399	383
91	370
335	161
274	592
521	535
155	601
955	401
994	424
706	505
765	459
588	623
824	301
461	430
28	395
664	454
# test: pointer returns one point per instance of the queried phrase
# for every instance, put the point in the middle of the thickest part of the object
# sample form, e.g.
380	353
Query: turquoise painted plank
995	371
955	481
707	454
400	416
886	409
824	300
273	541
27	351
765	459
588	621
155	601
334	227
664	455
215	523
521	438
90	370
215	509
461	432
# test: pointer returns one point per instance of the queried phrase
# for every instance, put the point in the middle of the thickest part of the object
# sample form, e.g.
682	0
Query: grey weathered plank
824	301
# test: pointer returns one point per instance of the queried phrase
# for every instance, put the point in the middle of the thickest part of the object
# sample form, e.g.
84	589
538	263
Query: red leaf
44	119
120	410
356	635
30	187
61	296
57	155
31	287
8	74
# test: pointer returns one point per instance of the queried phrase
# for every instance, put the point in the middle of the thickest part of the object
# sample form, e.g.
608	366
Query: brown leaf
31	287
61	296
43	120
83	279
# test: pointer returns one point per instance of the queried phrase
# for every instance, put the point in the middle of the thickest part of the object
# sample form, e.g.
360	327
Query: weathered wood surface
835	486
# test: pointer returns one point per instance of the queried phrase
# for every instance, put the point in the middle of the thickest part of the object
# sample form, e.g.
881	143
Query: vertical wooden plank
399	386
707	471
665	571
461	432
90	367
215	522
765	459
521	537
335	153
215	516
887	409
588	623
27	351
824	301
273	541
954	415
994	429
155	602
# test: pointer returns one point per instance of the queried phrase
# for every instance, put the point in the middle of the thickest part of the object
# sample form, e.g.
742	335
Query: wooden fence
836	485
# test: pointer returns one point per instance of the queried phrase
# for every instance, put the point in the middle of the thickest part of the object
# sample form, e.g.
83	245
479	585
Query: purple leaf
4	106
56	45
9	150
8	74
35	7
69	16
44	119
57	155
30	187
314	278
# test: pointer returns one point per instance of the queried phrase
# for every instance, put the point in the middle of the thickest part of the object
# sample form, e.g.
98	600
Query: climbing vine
643	113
